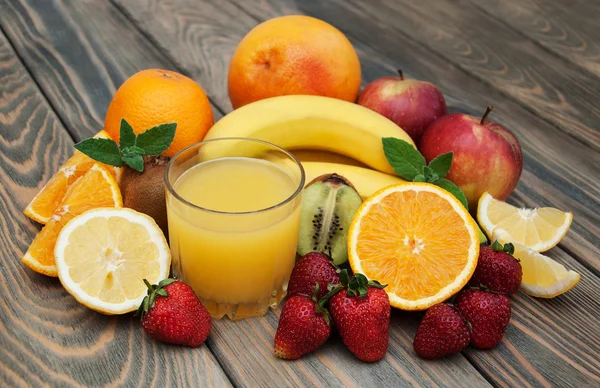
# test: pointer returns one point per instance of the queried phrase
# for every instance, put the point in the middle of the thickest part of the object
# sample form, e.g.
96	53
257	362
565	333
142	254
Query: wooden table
537	62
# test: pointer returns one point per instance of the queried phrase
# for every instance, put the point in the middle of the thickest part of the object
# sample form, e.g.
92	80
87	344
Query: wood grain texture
500	57
79	52
568	28
193	33
46	337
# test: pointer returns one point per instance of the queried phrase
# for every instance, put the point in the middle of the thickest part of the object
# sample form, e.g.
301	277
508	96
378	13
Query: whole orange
152	97
293	55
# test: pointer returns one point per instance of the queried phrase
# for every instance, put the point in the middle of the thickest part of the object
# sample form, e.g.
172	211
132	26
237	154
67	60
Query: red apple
409	103
487	156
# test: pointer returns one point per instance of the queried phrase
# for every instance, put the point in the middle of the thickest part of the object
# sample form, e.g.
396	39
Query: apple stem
401	74
485	115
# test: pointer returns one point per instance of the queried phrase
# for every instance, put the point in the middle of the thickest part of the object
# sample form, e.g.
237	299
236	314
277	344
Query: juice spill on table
238	264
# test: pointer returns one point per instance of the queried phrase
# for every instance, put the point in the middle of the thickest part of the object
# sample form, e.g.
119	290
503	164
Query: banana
364	180
314	122
325	156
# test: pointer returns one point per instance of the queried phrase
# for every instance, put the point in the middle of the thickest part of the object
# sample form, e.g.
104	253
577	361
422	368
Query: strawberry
314	267
497	269
304	325
442	332
487	312
173	313
361	311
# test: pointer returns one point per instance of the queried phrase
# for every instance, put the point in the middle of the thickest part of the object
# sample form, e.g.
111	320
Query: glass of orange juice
233	208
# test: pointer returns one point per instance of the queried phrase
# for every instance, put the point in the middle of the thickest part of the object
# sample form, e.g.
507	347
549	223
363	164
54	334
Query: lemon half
103	255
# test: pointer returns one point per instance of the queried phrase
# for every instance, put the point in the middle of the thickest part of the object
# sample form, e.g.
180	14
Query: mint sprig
131	148
411	165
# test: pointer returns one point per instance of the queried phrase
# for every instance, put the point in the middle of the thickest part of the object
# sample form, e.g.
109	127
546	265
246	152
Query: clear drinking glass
233	208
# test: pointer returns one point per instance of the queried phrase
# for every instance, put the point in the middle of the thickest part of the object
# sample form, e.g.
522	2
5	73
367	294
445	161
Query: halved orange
418	239
96	188
50	197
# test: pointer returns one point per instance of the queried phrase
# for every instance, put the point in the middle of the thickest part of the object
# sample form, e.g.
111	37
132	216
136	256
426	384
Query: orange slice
96	188
418	239
50	197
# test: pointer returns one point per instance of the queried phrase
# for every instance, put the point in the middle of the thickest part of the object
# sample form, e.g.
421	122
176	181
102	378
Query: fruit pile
387	219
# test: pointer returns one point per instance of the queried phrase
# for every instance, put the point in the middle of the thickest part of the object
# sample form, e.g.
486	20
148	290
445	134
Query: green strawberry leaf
454	190
344	278
509	248
361	279
156	139
441	164
362	291
403	157
126	136
162	292
496	246
166	282
102	150
134	161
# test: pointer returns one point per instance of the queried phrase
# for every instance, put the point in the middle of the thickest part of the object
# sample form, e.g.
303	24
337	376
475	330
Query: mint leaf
441	164
454	190
102	150
134	161
126	136
429	175
157	139
419	178
133	150
403	157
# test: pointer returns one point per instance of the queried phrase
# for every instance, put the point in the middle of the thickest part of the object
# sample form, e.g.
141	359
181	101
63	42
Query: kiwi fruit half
145	191
329	203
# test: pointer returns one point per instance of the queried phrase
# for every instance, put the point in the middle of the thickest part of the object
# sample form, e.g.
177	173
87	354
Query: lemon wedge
542	276
103	255
539	229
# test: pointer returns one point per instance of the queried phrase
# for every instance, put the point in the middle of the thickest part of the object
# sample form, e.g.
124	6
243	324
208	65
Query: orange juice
236	245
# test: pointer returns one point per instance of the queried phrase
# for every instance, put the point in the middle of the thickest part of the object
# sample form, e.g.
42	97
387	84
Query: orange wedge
96	188
50	197
418	239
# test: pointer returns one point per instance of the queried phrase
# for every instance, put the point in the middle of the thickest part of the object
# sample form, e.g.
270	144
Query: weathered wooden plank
568	28
500	57
46	337
79	52
558	166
